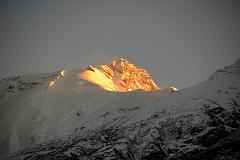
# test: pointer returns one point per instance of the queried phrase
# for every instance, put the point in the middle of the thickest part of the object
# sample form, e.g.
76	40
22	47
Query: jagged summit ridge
120	75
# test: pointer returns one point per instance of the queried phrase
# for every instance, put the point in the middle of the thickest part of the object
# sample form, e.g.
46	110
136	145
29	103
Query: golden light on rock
51	83
174	89
61	74
120	76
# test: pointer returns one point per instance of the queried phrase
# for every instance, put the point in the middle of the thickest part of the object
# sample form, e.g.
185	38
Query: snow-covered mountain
84	121
36	108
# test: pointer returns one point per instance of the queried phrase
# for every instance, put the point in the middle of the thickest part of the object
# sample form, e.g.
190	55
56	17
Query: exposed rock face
121	76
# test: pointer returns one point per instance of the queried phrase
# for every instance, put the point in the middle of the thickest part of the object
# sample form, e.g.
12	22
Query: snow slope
200	122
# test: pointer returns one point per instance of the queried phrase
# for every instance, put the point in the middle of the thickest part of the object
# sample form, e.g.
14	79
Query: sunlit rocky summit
121	76
115	112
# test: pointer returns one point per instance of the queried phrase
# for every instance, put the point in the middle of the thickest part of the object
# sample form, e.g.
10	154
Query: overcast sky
179	42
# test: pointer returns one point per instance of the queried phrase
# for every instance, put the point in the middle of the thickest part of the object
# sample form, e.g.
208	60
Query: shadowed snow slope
200	122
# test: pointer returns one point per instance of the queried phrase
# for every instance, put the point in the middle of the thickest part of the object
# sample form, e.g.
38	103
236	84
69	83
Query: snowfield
75	119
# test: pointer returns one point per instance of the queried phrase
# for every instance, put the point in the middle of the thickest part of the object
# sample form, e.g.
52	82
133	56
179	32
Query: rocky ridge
122	76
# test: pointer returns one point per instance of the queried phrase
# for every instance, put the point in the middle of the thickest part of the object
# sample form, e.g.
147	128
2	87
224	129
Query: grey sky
179	42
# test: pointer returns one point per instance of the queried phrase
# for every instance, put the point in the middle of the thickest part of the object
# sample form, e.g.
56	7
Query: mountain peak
121	60
120	75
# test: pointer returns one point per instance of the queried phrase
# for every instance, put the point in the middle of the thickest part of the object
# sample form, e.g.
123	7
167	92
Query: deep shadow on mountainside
199	122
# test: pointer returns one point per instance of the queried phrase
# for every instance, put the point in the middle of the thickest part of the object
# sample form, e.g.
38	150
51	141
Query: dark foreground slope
201	122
